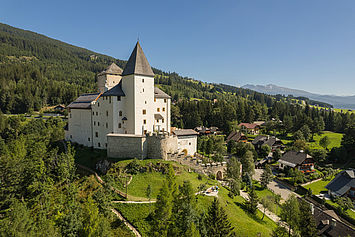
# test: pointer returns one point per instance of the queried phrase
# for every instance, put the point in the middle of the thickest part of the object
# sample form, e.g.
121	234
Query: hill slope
343	102
36	71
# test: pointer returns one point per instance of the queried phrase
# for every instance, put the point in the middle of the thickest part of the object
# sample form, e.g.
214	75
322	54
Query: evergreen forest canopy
36	71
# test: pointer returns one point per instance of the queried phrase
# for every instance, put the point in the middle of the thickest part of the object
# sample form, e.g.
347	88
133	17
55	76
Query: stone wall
126	146
156	146
160	145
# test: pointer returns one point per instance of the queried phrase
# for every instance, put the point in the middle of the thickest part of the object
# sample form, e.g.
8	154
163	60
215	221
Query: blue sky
304	44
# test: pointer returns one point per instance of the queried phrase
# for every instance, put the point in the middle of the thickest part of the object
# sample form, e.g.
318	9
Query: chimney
333	223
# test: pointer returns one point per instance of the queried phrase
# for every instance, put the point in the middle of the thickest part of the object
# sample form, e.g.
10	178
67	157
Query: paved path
316	180
136	202
131	227
275	186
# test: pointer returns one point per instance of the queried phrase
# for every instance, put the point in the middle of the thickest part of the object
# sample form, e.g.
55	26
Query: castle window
145	131
106	113
189	143
96	134
144	121
144	111
105	144
164	100
106	125
71	136
98	144
88	138
110	100
98	123
119	125
158	109
98	104
145	102
162	120
143	80
157	120
120	113
163	109
125	132
94	123
97	113
143	89
93	113
118	98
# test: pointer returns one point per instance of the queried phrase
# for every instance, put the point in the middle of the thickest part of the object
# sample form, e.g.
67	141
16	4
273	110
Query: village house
273	142
297	159
204	131
237	137
249	128
343	184
126	114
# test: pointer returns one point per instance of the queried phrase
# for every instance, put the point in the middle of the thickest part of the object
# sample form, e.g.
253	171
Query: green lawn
244	223
335	140
318	186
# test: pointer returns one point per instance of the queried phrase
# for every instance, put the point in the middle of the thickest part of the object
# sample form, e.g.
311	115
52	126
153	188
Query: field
318	187
244	223
335	140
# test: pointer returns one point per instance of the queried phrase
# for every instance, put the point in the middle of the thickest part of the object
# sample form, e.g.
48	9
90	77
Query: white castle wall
164	109
79	127
189	143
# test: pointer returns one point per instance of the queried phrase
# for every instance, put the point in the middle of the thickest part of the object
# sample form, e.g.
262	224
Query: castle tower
109	77
138	85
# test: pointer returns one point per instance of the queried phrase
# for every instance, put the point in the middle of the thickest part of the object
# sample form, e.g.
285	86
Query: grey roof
160	94
264	140
84	101
115	91
258	139
112	69
294	157
158	116
185	132
325	228
138	63
342	182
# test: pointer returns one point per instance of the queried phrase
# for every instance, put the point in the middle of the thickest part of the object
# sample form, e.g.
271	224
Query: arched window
119	125
120	113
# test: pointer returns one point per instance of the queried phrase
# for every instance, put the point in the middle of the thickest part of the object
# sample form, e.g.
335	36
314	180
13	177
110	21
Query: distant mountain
342	102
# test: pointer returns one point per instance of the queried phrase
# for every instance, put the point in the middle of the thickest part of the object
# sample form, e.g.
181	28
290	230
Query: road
275	186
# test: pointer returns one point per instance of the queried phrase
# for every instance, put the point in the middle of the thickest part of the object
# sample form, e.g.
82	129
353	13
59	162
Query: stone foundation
153	146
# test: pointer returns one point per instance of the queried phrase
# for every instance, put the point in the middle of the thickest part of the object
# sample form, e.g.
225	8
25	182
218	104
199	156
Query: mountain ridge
342	102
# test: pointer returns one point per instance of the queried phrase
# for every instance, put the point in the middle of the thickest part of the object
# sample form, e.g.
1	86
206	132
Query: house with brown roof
237	137
297	159
249	128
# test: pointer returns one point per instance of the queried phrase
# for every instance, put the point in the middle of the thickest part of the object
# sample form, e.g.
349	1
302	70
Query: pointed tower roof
138	63
112	69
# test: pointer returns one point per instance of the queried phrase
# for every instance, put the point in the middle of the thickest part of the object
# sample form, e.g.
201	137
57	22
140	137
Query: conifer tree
266	176
252	202
216	222
307	225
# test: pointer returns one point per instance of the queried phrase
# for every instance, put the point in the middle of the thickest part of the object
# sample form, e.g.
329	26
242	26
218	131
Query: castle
128	116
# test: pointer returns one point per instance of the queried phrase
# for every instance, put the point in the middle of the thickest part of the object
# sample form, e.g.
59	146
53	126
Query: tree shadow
253	216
